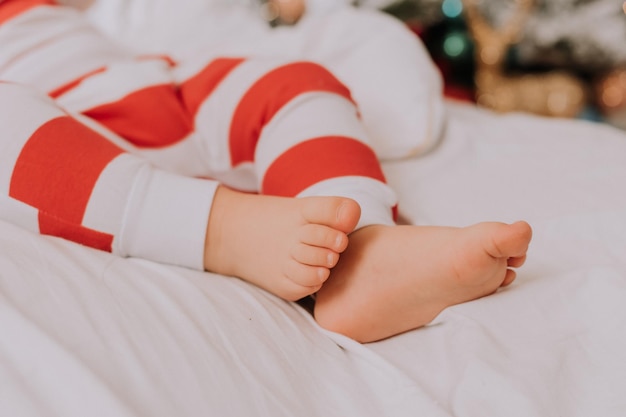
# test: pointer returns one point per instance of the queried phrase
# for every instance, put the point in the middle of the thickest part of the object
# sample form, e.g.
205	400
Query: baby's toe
336	212
306	275
314	255
324	237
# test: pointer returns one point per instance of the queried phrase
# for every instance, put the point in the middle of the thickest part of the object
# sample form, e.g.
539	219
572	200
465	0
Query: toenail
340	210
321	273
330	260
338	241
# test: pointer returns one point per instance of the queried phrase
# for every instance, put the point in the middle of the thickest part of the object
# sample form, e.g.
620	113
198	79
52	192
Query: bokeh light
454	44
452	8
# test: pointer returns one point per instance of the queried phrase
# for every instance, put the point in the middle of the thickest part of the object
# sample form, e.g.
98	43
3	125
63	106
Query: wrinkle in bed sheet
92	334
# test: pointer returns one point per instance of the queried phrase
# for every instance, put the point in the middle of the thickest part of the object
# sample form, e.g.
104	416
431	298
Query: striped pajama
124	153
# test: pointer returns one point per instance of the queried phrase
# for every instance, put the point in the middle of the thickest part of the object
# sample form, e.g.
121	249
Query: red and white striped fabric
120	155
62	178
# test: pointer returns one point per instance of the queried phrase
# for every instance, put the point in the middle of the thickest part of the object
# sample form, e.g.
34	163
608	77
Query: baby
258	168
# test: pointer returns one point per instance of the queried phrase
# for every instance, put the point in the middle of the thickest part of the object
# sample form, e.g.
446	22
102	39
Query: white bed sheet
87	333
554	343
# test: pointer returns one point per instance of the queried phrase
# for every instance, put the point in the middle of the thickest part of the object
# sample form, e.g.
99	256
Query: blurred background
561	57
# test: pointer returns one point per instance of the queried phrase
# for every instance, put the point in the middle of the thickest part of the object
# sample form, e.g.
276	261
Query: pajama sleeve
63	178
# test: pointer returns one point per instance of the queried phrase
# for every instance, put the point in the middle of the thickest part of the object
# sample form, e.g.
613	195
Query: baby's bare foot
286	246
394	279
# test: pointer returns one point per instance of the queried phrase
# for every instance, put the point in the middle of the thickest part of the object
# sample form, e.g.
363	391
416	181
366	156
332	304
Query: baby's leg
293	130
66	177
388	70
394	279
295	126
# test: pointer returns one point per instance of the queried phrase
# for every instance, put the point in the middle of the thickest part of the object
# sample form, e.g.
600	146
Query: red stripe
75	83
56	172
152	117
195	90
317	160
12	8
50	225
268	95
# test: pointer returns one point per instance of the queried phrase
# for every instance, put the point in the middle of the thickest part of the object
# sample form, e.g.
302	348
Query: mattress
88	333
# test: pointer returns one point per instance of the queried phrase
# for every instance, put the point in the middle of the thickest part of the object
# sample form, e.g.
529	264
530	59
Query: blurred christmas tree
589	35
584	37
